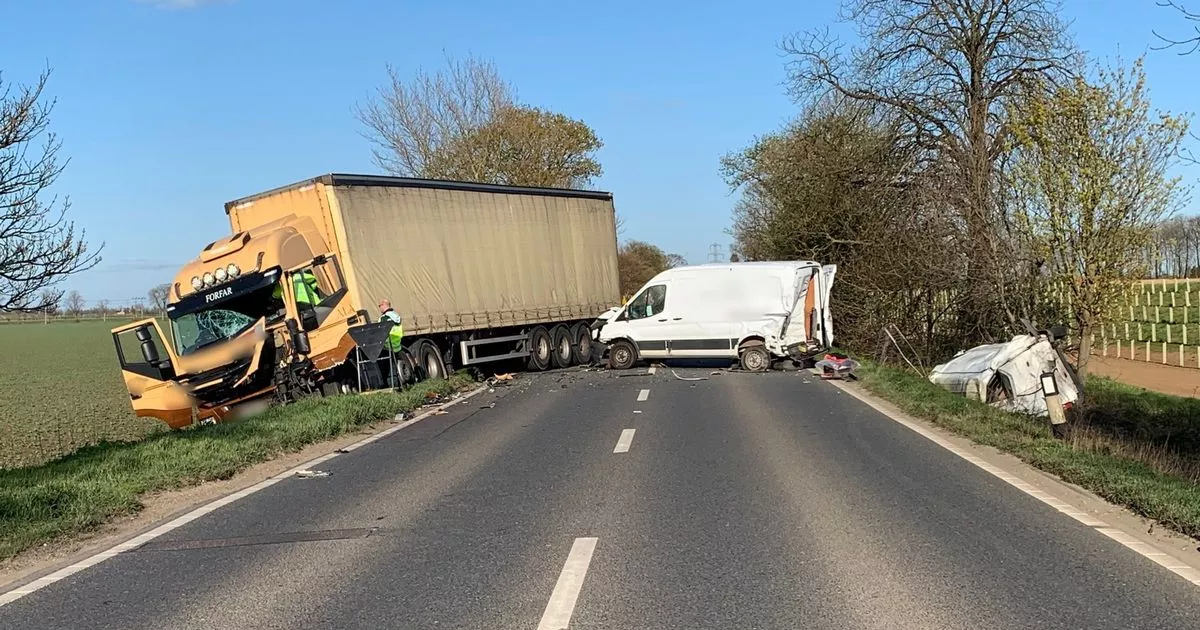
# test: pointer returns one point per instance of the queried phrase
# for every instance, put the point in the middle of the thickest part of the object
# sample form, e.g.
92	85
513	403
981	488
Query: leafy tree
1091	167
944	69
836	186
38	245
638	262
521	146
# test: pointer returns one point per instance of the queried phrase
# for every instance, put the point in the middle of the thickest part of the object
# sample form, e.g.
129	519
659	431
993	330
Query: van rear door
148	369
824	304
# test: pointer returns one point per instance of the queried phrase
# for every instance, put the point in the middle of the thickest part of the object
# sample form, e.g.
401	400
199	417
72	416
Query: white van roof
768	265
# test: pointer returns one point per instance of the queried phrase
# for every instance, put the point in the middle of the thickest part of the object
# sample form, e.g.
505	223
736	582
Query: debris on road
689	378
308	474
836	366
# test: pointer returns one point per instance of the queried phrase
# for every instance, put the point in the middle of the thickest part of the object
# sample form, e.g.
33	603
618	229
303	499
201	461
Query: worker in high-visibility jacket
306	287
396	334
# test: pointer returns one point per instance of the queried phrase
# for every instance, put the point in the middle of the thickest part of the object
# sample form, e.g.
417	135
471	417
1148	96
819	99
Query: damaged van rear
754	312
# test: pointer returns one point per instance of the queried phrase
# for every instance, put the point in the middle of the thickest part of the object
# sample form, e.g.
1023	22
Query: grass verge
1113	452
93	485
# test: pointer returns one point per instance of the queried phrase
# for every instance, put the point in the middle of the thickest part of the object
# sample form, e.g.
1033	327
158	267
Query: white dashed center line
643	395
562	601
625	440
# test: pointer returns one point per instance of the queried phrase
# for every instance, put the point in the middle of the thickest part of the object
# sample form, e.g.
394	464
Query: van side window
650	302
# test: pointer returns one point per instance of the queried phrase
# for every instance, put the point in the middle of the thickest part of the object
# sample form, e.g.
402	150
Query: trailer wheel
540	345
563	347
621	355
428	360
755	359
581	344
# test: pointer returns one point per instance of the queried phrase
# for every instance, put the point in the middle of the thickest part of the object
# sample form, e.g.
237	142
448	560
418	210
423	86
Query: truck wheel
563	347
540	346
755	359
622	355
581	345
428	360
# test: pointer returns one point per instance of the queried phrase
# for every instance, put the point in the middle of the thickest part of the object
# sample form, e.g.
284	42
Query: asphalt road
743	501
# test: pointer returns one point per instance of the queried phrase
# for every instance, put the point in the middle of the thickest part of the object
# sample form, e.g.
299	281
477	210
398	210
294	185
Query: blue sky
169	108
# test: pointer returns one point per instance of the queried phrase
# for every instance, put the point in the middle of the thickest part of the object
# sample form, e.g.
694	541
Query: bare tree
74	303
38	246
159	297
1093	165
408	123
945	69
1190	44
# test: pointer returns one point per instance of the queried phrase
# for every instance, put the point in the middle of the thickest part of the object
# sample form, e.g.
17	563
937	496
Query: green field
60	389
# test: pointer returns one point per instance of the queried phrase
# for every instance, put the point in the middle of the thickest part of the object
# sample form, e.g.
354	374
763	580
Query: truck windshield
194	330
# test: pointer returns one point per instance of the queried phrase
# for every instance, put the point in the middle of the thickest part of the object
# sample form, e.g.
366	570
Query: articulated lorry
478	273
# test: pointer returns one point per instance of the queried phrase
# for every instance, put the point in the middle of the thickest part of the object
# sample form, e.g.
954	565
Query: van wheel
581	346
622	355
540	345
428	360
755	359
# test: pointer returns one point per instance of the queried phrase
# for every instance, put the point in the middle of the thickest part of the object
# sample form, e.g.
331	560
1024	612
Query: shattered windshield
198	329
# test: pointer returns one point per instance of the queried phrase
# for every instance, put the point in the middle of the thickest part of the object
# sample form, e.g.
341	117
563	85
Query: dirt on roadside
1167	379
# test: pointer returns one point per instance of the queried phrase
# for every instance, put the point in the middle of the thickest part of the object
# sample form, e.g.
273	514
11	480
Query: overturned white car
1009	375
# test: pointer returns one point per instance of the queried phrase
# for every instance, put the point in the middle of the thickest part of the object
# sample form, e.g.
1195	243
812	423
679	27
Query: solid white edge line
624	441
19	591
559	609
643	395
1146	550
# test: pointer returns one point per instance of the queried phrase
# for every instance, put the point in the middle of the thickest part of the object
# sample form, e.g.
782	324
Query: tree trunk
1085	351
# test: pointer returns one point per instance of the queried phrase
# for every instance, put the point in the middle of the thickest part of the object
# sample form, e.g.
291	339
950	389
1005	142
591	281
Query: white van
756	312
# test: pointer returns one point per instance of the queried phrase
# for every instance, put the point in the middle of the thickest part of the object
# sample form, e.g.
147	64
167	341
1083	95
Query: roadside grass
1137	449
88	488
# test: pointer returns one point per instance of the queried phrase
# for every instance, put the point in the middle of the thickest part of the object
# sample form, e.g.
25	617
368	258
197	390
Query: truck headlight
197	283
233	270
209	280
219	274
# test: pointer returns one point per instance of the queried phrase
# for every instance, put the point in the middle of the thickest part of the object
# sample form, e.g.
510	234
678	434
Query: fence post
1157	315
1145	314
1164	354
1137	299
1154	332
1180	355
1173	298
1185	334
1168	333
1171	314
1139	331
1147	352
